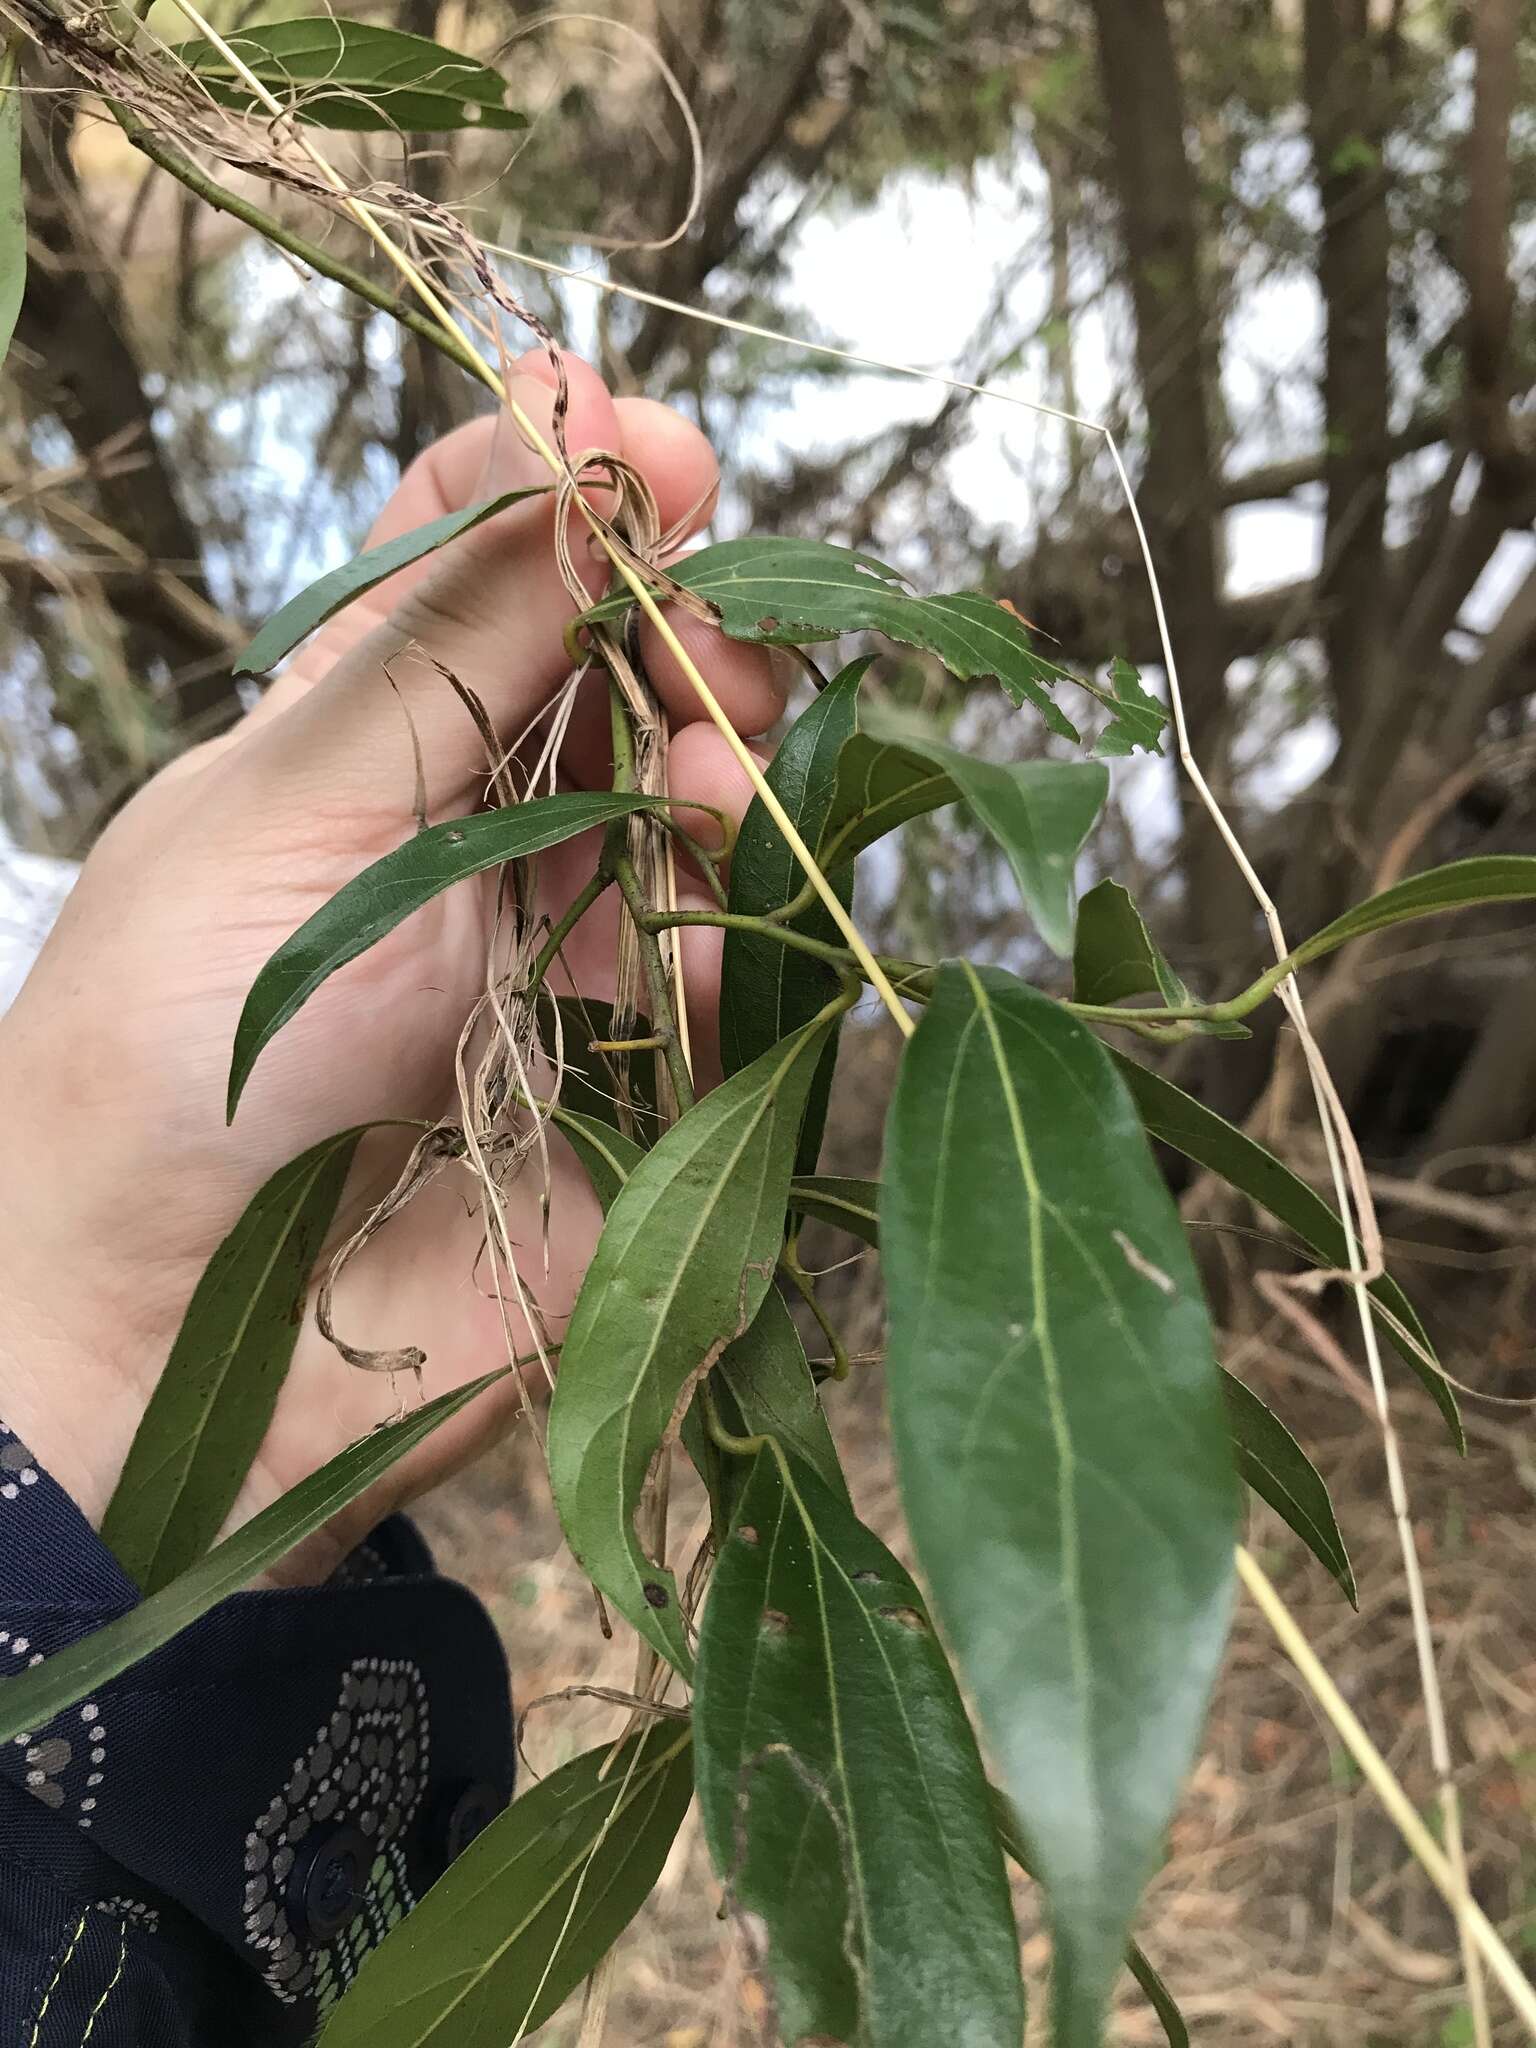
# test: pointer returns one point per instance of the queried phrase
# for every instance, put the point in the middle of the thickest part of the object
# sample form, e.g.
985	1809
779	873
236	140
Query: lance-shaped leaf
211	1406
1114	956
1039	812
1061	1441
1490	878
683	1263
763	1382
530	1908
1156	1992
13	219
1269	1458
768	989
791	593
330	593
368	907
353	74
841	1792
1200	1134
33	1697
851	1204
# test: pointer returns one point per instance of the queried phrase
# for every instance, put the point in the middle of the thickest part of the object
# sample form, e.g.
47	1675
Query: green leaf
1061	1441
1200	1134
767	989
607	1155
368	907
1491	878
13	218
211	1406
1039	812
353	74
1139	718
590	1083
1156	1992
33	1697
530	1908
878	788
792	592
850	1204
683	1263
1114	956
1269	1458
842	1796
330	593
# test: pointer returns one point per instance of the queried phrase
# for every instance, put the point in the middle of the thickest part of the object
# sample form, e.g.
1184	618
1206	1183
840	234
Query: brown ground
1289	1909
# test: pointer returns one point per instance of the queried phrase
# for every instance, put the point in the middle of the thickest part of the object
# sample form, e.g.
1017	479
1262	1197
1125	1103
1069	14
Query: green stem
1230	1012
739	1446
182	168
913	975
561	930
800	1280
654	969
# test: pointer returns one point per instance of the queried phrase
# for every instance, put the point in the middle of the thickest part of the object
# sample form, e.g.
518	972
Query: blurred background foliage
1284	248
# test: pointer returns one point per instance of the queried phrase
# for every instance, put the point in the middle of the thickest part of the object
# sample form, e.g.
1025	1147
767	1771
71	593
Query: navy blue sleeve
203	1851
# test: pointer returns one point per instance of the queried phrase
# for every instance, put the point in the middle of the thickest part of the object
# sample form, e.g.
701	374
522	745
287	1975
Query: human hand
121	1177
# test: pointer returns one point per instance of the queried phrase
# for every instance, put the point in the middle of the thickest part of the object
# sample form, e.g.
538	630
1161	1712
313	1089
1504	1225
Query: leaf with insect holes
1177	1119
1114	956
352	74
33	1697
370	906
1139	719
790	592
1039	812
530	1908
763	1381
683	1263
332	592
768	989
841	1792
1269	1458
1061	1441
213	1402
1489	878
13	218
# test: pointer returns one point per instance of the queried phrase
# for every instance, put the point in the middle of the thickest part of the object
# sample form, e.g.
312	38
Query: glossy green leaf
1269	1458
1155	1991
791	592
368	907
353	74
1061	1441
683	1263
878	788
1200	1134
13	219
1139	719
530	1908
842	1796
592	1081
1039	812
763	1382
767	989
211	1406
330	593
1490	878
850	1204
33	1697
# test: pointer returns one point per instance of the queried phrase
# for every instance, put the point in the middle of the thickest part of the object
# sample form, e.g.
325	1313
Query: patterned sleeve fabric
201	1853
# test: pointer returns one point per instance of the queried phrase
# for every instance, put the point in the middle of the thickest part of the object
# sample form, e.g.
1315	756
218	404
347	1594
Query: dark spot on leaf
746	1533
774	1622
905	1617
866	1578
768	625
656	1596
